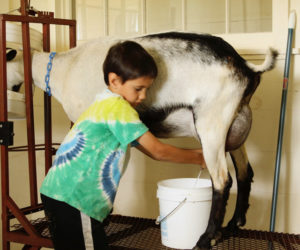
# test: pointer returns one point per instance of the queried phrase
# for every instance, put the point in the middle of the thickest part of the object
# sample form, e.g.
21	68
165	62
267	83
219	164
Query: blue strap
47	77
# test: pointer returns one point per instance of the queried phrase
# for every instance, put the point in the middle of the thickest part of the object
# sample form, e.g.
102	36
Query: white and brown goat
202	90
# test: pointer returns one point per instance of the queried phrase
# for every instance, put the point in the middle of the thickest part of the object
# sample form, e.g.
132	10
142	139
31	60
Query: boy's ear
114	80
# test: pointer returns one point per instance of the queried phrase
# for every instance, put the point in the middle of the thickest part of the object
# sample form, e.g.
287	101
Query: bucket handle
158	220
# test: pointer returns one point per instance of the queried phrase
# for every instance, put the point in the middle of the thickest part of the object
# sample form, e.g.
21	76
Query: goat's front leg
213	142
244	176
217	213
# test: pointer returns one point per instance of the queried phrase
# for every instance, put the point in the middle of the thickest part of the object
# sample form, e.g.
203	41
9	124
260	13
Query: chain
47	77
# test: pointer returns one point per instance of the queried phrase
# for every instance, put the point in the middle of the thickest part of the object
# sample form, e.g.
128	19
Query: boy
79	190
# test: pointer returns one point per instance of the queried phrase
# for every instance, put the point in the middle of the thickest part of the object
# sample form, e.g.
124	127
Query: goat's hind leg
244	176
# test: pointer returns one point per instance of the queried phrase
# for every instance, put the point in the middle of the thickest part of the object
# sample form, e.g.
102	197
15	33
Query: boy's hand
202	160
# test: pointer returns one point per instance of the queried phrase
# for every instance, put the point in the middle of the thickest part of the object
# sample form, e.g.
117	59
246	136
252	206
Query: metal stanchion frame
30	237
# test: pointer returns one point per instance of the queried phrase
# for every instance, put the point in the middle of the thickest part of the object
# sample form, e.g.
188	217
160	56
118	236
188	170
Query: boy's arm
158	150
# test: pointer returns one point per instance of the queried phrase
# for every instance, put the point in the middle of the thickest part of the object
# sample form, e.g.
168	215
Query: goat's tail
268	64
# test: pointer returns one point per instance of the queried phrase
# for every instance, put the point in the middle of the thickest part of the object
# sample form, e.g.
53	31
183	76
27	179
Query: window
125	17
246	16
229	16
163	15
90	23
244	23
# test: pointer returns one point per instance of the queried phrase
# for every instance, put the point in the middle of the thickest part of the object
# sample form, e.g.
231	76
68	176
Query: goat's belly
178	123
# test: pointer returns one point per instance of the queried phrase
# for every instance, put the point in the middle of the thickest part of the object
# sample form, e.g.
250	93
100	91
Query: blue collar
47	77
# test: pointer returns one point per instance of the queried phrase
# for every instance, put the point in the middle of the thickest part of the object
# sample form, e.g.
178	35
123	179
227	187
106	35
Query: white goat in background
202	90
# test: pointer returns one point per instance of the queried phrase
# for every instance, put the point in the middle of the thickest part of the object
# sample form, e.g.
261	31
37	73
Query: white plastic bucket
184	206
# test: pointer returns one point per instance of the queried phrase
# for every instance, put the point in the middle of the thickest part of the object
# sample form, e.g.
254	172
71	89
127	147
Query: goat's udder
239	129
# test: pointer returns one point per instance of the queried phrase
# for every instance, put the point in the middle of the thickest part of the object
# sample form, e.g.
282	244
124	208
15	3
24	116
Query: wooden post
4	150
29	106
47	107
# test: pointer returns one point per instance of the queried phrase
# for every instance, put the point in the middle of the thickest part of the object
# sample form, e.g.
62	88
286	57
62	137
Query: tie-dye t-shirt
90	161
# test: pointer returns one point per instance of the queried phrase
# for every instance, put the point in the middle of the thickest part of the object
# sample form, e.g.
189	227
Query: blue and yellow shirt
90	161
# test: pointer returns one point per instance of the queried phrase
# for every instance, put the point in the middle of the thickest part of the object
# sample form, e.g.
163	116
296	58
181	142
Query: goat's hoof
213	242
235	223
232	226
219	235
200	248
204	242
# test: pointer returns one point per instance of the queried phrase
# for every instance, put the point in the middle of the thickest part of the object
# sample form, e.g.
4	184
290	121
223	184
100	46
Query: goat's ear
10	54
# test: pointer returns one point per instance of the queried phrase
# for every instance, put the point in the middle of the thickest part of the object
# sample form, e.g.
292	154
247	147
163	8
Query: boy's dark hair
129	60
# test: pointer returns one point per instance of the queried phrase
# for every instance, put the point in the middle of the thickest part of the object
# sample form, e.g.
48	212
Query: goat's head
15	69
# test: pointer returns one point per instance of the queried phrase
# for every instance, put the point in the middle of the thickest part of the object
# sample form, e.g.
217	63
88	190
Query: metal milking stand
29	235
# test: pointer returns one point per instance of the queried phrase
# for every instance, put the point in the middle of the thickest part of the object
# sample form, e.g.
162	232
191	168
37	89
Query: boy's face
133	91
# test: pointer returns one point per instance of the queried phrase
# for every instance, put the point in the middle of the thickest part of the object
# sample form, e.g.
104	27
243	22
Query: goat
203	90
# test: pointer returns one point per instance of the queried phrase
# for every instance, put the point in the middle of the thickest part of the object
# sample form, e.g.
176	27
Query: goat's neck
40	61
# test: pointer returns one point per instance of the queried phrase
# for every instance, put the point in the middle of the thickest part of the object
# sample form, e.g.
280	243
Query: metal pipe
282	118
